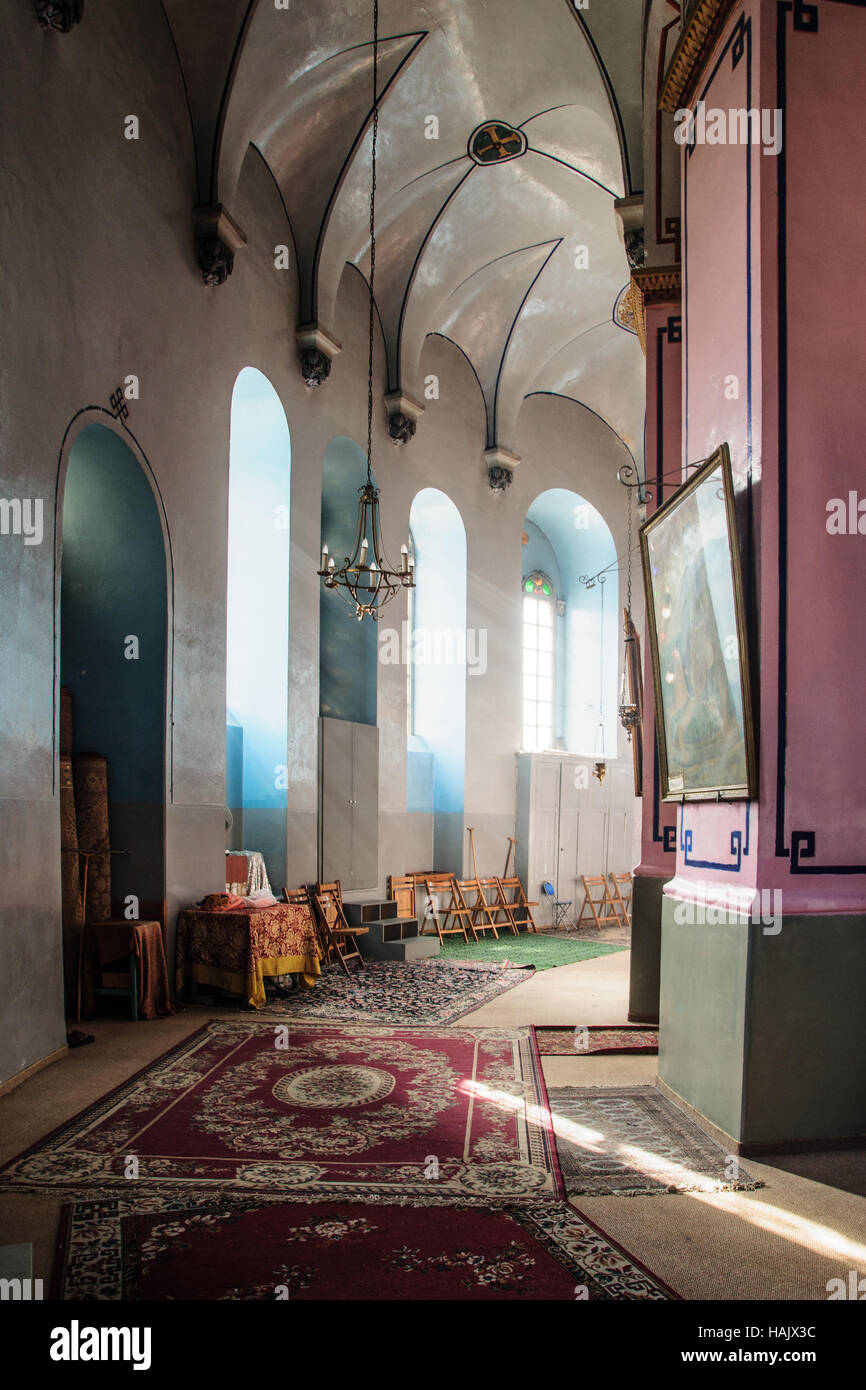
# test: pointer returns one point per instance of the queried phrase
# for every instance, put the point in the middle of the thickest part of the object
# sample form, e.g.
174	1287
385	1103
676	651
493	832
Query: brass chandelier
366	580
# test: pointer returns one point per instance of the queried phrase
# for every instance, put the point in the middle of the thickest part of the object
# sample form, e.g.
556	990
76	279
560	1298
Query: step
360	914
410	948
396	929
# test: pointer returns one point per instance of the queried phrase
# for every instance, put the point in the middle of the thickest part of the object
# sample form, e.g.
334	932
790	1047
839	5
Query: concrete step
361	914
396	929
408	948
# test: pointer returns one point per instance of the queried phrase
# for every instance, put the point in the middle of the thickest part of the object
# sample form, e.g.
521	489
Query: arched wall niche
567	539
113	607
436	755
257	621
348	660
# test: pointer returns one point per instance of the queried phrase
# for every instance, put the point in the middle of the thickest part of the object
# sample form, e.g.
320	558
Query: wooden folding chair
482	919
336	936
456	911
401	890
622	902
490	894
597	905
518	908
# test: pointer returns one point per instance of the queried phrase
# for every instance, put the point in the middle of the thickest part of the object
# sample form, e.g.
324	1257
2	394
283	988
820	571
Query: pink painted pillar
757	1017
658	820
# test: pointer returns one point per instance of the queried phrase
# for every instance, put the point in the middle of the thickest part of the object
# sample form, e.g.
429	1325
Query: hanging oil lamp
600	767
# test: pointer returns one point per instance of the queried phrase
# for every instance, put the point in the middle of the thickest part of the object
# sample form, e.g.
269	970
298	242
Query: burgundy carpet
595	1038
305	1251
287	1107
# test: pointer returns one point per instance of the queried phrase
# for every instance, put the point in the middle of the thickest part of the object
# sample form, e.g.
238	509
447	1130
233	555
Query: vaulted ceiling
513	253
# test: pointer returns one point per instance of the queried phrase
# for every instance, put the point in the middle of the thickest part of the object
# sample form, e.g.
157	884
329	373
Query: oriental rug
279	1107
531	948
631	1141
401	992
340	1251
596	1039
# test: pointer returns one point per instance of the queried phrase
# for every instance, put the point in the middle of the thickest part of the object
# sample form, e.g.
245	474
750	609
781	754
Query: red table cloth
235	951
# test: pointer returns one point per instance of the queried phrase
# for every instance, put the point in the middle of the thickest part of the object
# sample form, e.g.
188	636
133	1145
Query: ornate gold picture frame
697	633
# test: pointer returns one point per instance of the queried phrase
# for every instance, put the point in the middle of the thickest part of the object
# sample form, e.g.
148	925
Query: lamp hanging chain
601	674
628	572
371	342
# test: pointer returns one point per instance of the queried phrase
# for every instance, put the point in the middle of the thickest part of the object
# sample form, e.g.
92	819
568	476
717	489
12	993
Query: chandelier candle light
368	582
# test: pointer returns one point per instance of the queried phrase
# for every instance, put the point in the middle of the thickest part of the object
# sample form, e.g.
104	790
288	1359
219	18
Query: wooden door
364	858
349	804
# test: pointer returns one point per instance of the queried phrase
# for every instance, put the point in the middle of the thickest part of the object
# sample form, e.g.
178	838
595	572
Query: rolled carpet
91	806
70	879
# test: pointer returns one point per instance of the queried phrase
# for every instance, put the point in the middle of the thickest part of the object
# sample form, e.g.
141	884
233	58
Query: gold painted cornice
653	284
700	31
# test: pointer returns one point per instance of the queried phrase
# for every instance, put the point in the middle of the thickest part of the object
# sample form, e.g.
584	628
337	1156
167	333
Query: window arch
438	654
568	546
257	620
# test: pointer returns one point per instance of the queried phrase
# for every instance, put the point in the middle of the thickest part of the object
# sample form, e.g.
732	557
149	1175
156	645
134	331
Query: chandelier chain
628	572
371	338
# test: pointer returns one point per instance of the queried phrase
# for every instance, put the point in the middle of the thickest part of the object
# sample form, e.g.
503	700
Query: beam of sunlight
797	1229
746	1206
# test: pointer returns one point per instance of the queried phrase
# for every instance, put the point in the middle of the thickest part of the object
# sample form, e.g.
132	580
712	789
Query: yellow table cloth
236	951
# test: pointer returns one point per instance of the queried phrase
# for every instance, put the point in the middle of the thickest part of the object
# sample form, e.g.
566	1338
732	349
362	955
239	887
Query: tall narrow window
538	662
410	641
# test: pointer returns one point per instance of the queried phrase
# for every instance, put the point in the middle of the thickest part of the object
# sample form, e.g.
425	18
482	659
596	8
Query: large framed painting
698	641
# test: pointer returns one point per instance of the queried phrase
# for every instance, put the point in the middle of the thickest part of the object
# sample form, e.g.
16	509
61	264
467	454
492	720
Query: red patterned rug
274	1108
596	1038
305	1251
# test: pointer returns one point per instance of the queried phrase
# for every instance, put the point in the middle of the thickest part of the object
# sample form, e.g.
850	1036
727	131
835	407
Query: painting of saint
698	648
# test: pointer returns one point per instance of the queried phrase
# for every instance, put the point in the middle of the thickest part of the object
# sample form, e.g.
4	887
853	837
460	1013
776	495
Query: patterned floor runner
631	1141
400	992
281	1108
595	1038
303	1251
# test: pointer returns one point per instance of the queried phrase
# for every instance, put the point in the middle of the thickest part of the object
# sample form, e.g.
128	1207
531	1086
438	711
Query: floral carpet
531	948
596	1038
632	1141
277	1108
401	992
301	1251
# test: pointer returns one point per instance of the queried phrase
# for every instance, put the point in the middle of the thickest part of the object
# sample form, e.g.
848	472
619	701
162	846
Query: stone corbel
217	238
404	413
660	284
317	350
629	213
500	464
703	24
59	15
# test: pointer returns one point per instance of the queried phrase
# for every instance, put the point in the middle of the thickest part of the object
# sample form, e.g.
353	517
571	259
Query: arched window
539	680
257	621
569	636
437	747
410	631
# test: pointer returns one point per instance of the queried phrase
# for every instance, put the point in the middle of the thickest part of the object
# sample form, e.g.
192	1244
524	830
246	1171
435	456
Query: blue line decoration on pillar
738	847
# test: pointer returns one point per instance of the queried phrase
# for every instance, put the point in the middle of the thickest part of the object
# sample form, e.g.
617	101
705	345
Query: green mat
544	952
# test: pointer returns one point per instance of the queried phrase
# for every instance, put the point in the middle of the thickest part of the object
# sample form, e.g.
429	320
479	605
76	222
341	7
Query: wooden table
236	951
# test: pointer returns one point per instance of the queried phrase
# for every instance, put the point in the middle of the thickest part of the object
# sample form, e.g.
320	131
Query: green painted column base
763	1026
646	945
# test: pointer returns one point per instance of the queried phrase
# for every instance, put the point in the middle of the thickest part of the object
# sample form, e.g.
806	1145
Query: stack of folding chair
336	937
